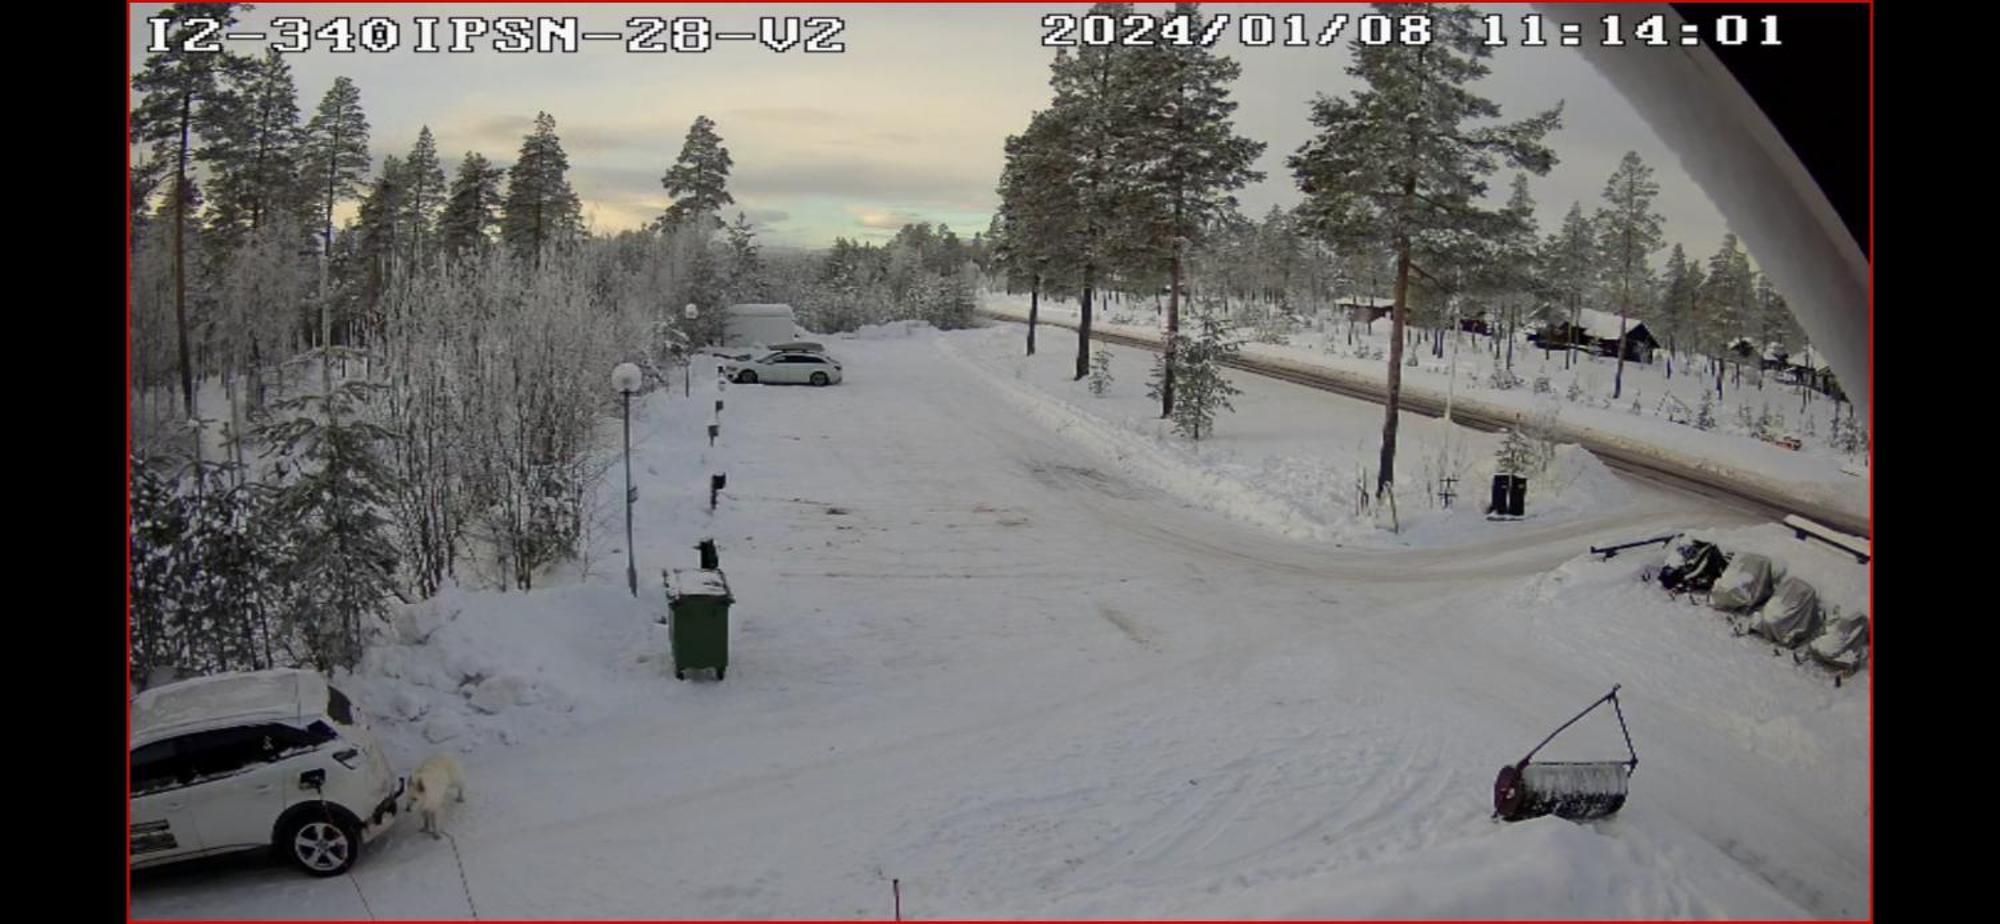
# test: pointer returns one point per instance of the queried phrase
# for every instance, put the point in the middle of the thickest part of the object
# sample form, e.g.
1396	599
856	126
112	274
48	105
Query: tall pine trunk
180	256
326	260
1034	307
1569	339
1083	327
1173	335
1618	377
1386	475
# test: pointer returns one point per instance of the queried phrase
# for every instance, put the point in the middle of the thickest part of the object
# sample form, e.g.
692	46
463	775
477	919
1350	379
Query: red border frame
1872	853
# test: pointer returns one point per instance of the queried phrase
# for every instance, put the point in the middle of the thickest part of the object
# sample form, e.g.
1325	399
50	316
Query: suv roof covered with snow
227	699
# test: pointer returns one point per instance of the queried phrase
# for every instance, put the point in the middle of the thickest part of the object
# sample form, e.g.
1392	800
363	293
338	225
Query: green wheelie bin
698	620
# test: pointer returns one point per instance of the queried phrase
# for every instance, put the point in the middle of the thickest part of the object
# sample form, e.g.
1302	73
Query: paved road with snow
971	655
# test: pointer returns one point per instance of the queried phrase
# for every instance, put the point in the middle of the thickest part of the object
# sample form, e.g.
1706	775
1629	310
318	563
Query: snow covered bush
1441	462
1100	371
1199	386
1542	385
1544	430
1845	436
1275	328
1517	455
1769	424
1704	416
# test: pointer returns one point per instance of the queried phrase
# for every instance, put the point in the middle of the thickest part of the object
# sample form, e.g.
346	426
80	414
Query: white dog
428	786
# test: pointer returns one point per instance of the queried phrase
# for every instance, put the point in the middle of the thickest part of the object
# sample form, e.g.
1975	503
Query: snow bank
494	667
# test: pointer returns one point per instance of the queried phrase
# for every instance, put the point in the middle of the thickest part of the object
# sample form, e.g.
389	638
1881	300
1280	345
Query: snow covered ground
1819	473
998	641
1290	459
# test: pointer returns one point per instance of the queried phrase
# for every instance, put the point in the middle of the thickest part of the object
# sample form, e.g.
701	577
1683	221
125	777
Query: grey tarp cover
1792	614
1844	641
1744	585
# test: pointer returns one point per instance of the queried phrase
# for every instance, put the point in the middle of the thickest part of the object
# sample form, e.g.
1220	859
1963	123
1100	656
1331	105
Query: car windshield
338	706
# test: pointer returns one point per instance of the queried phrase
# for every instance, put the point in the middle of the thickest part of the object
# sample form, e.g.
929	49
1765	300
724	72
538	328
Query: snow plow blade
1575	790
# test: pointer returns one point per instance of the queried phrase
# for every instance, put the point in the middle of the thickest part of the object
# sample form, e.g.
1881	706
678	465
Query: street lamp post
687	369
626	378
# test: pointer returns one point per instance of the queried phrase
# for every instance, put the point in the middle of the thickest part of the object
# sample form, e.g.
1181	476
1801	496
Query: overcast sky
906	125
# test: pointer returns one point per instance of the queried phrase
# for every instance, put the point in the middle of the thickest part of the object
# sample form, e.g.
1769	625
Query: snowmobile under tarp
1792	615
1745	584
1576	790
1692	567
1843	643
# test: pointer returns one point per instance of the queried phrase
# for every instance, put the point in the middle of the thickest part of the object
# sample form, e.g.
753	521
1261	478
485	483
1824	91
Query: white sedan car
786	368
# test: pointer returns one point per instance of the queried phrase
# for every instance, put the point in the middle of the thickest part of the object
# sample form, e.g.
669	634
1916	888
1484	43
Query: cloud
787	115
609	216
499	137
883	219
958	185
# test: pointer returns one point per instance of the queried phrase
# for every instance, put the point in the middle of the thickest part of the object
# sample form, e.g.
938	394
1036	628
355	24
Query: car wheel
321	842
746	377
819	378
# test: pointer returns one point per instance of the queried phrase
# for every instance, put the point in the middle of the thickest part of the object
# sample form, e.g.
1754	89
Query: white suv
275	758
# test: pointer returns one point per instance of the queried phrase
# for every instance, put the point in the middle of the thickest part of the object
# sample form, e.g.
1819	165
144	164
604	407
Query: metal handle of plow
1612	698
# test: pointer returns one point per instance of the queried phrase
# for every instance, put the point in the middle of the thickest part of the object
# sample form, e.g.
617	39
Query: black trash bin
1510	497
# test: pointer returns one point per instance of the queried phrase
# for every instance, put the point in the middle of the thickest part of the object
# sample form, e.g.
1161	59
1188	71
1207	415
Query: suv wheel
819	378
746	377
321	841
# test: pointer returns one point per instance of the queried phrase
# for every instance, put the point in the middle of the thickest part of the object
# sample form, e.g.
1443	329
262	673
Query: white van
758	325
265	759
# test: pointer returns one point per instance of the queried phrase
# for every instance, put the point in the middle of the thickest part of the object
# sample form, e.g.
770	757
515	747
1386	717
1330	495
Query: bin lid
696	582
